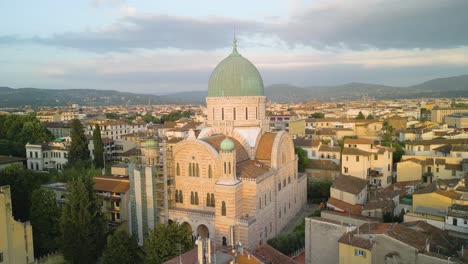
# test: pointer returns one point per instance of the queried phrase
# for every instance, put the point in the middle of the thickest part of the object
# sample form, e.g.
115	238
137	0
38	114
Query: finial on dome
234	45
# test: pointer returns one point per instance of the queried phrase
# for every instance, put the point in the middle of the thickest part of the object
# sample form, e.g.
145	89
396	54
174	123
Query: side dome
227	145
235	76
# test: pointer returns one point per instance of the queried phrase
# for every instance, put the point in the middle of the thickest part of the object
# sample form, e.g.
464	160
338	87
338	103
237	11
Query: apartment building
429	168
438	115
364	159
115	129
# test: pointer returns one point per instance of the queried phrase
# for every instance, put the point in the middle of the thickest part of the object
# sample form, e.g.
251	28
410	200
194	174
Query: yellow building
297	127
16	242
353	252
431	203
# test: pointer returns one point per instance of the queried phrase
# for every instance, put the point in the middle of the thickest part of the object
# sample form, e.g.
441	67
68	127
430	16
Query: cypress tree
82	222
98	148
78	150
45	220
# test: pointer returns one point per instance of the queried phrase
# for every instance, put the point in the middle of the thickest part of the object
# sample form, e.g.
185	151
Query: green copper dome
227	145
235	76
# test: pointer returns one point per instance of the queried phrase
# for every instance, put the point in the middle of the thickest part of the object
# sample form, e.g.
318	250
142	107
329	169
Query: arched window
181	197
229	167
192	198
197	171
212	200
196	198
222	113
246	114
225	168
176	196
208	200
223	208
260	203
234	113
178	170
210	175
190	169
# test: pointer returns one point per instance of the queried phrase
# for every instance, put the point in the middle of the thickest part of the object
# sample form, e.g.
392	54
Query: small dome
235	76
227	145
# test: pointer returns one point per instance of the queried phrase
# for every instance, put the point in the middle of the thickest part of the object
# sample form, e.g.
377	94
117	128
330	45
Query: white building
47	156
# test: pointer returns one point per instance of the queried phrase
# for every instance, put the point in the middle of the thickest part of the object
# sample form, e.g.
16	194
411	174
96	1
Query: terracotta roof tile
326	148
251	169
344	206
265	146
350	239
356	151
268	254
349	184
358	141
323	165
215	142
117	185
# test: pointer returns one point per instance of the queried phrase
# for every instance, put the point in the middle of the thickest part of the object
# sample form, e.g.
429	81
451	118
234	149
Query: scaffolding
155	154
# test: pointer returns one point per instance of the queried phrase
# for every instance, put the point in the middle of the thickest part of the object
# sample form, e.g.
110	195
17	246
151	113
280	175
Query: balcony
249	220
183	212
113	209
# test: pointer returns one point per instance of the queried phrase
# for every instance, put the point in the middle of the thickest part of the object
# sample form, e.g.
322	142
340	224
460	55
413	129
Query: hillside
456	86
53	97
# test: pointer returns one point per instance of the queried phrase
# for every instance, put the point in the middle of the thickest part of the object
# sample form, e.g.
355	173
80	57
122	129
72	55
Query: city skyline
149	47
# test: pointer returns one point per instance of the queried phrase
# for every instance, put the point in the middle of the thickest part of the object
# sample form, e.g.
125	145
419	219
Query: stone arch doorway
203	231
188	227
224	241
170	222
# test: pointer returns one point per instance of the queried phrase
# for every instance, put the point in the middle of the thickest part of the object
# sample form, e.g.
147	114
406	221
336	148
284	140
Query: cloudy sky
167	46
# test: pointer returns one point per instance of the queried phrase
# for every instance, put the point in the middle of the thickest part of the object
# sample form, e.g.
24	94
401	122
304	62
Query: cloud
98	3
380	24
129	11
358	25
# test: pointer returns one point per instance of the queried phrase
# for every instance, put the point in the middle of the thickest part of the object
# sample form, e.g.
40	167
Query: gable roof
355	152
349	184
354	209
268	254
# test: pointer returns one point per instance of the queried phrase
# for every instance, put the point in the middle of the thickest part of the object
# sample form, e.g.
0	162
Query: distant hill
456	86
54	97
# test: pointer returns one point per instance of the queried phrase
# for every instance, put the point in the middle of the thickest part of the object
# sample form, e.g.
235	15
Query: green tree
112	116
370	116
303	160
45	219
318	190
120	248
149	118
98	148
17	130
79	144
82	222
360	116
160	244
317	115
22	182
